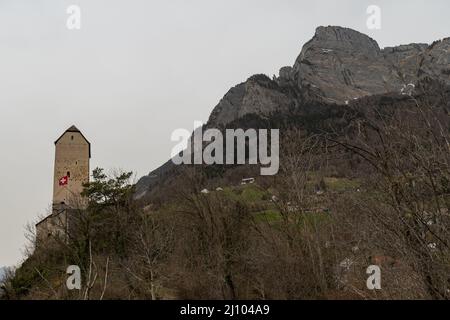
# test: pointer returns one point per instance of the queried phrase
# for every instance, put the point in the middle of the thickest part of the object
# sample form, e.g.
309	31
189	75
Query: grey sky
138	69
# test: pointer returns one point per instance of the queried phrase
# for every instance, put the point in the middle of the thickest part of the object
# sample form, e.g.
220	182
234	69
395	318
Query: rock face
341	64
435	61
258	95
405	60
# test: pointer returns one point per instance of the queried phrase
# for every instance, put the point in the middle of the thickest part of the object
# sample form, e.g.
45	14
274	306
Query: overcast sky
139	69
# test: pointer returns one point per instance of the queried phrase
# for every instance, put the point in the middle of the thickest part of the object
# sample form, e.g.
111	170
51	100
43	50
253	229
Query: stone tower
72	154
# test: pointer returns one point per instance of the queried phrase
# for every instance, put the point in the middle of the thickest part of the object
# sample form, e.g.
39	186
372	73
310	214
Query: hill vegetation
371	187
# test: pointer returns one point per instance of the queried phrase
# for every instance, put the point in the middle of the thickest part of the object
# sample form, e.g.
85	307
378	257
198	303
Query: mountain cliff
338	65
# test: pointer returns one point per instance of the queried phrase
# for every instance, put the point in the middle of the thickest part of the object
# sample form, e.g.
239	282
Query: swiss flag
64	181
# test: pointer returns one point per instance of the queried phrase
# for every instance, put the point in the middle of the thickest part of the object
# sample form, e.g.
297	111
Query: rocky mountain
258	95
337	66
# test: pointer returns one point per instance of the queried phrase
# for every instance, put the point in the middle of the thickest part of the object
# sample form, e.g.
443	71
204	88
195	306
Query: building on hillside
248	180
71	171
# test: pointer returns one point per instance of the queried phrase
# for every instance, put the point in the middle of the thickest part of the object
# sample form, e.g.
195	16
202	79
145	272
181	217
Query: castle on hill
71	172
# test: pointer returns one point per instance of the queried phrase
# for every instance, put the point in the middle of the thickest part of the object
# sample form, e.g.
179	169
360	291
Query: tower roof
75	129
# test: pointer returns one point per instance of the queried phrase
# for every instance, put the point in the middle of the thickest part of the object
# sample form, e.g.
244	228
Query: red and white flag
64	181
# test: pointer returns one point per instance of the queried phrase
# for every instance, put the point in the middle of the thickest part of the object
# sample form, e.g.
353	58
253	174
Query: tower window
68	174
71	138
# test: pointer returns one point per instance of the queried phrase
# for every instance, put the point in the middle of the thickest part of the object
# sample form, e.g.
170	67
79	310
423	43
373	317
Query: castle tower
72	154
